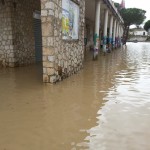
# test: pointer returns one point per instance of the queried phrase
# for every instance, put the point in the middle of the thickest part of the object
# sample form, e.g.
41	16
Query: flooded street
106	106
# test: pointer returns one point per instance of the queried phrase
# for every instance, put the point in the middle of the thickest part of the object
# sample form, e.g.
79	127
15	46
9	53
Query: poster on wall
70	20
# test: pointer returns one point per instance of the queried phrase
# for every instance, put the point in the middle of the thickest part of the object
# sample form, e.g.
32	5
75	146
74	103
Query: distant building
138	32
56	33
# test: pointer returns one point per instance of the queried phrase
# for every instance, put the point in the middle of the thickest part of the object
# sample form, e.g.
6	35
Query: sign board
70	20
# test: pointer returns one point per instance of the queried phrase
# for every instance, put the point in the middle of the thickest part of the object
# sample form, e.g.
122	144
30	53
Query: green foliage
117	5
133	16
147	25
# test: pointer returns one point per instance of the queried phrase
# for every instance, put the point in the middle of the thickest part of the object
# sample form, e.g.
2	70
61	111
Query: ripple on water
124	119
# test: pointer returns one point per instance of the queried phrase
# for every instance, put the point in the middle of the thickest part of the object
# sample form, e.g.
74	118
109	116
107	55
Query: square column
110	33
117	31
105	31
114	35
97	27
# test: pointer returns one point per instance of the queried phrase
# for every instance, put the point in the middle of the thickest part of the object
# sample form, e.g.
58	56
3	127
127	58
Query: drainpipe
105	31
97	27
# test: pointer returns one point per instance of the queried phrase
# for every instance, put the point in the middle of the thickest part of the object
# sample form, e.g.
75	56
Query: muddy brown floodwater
106	106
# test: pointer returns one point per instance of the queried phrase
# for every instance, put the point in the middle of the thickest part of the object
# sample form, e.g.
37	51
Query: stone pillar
122	31
47	17
121	34
97	27
105	31
114	34
110	33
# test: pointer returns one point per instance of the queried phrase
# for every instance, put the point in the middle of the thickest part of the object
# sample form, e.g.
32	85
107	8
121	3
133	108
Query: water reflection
105	106
123	122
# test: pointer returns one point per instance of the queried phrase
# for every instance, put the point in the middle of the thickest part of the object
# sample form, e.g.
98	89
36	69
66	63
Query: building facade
55	34
138	31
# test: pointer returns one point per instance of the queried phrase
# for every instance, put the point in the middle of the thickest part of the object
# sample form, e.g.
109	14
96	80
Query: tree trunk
125	34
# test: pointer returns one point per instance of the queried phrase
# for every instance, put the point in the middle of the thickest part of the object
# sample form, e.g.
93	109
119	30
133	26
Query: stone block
44	12
44	58
50	71
51	12
47	29
6	47
49	5
43	19
48	64
51	58
52	79
10	37
49	51
45	78
60	57
11	55
44	71
50	41
44	41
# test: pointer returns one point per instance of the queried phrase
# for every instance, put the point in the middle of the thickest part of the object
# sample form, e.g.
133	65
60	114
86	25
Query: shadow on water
98	108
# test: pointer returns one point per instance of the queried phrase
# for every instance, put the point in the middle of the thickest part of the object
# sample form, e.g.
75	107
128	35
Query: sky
142	4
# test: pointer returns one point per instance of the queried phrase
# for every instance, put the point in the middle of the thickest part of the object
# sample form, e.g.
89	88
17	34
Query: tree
131	16
117	5
147	25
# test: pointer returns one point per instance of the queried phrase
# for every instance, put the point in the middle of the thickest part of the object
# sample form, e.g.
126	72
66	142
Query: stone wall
23	31
16	32
60	58
6	43
137	38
